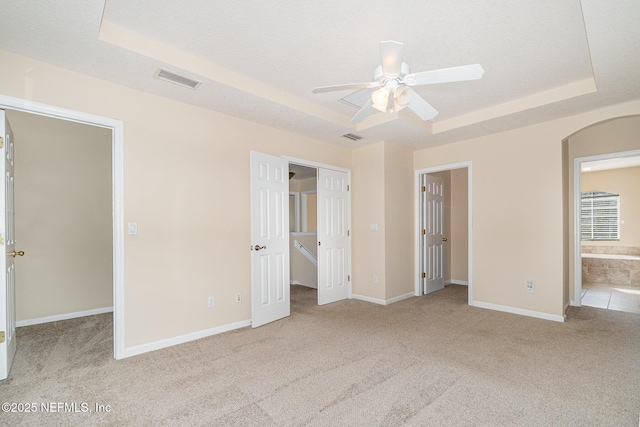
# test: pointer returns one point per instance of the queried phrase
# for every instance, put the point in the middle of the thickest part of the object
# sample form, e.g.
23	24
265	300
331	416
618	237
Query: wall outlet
530	286
375	280
211	302
238	297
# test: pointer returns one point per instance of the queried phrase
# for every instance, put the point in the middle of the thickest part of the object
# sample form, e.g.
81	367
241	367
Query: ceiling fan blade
445	75
391	58
349	86
363	112
422	108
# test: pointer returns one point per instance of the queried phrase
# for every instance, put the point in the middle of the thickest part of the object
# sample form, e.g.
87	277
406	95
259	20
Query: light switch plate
133	228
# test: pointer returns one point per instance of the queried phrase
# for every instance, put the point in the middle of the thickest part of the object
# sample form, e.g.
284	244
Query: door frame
416	252
577	202
316	165
117	182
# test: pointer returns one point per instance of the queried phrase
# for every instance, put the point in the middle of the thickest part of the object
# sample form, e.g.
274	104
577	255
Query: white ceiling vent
352	136
168	76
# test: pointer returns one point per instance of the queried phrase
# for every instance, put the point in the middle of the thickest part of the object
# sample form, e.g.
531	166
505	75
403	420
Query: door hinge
424	231
424	275
424	188
347	188
1	142
1	239
348	233
1	336
348	278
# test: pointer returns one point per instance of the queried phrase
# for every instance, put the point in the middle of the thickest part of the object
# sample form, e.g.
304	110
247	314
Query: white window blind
600	216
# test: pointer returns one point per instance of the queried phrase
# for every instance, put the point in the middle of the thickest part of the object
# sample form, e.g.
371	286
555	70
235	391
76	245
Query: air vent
168	76
352	136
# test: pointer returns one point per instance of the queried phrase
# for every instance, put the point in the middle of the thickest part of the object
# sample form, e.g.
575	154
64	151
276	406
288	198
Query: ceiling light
380	99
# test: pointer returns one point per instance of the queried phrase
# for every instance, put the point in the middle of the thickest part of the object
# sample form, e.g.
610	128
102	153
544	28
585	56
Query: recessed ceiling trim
539	99
171	77
135	42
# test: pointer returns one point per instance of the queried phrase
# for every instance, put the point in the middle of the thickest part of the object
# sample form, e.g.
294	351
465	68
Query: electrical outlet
238	297
530	286
211	302
375	280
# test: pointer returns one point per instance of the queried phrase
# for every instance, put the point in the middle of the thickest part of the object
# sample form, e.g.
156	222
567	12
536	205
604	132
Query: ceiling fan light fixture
402	97
380	99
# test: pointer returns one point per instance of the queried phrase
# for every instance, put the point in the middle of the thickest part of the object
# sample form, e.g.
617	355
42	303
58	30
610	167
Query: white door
269	239
333	236
7	242
432	233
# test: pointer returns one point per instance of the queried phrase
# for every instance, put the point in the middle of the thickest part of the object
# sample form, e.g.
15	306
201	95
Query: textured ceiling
260	60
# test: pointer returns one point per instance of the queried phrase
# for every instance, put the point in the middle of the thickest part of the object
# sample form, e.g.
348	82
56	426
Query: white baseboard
157	345
66	316
382	301
457	282
520	311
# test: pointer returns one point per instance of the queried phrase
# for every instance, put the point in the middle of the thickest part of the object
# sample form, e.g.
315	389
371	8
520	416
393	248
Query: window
600	216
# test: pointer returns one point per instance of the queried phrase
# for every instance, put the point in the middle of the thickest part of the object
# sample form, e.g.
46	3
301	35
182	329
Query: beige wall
64	216
382	179
368	207
608	133
512	243
181	164
188	248
626	183
459	220
399	224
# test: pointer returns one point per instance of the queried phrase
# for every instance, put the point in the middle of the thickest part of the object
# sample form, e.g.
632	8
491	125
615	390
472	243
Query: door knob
444	239
14	253
258	247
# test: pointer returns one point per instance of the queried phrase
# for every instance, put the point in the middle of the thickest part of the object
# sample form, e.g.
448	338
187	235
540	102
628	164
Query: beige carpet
429	361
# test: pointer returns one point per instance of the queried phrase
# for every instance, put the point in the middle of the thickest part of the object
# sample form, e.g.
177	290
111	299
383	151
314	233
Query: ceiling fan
392	81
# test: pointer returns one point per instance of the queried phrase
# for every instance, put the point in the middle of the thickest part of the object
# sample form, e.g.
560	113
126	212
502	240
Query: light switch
374	227
133	228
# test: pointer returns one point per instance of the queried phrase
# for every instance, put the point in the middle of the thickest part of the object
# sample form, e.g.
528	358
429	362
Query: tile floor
612	297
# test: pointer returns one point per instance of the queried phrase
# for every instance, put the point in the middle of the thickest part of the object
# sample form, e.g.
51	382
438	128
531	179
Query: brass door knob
14	253
258	247
444	239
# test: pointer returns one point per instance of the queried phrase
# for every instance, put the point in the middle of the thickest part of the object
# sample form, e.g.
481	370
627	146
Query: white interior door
7	241
333	236
270	299
432	233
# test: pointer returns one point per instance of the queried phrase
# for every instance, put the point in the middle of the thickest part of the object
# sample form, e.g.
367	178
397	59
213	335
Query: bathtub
616	269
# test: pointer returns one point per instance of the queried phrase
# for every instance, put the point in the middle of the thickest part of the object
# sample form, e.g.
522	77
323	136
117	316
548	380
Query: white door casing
432	247
7	242
270	299
333	236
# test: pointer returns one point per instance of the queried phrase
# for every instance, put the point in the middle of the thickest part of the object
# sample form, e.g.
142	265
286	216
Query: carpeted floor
428	361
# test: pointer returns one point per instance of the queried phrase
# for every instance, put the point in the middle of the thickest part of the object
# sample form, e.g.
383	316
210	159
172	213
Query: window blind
600	216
